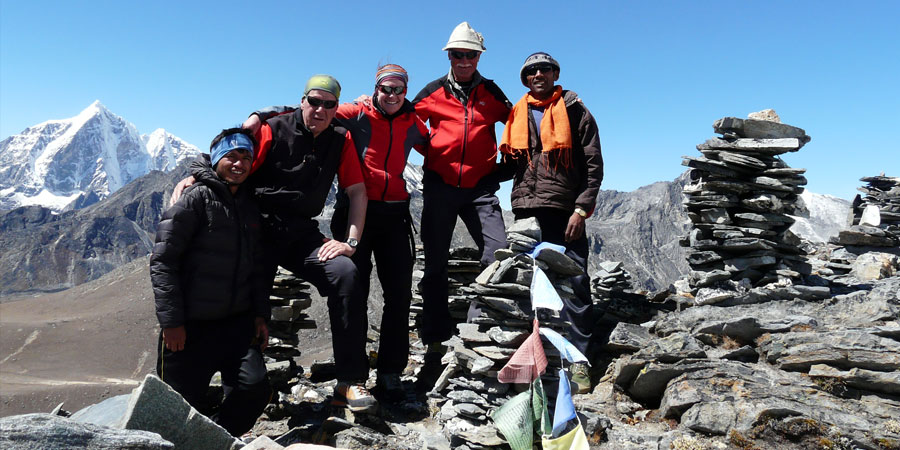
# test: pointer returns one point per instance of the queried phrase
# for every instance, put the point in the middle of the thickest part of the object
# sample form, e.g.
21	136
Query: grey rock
741	264
156	407
470	332
867	380
672	348
107	413
507	337
528	227
708	296
847	349
628	337
49	432
710	418
875	266
559	262
263	443
757	146
702	278
763	129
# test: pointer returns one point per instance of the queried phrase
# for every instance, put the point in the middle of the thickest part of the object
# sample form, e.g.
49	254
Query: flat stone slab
761	146
847	349
628	337
862	379
46	431
763	129
154	406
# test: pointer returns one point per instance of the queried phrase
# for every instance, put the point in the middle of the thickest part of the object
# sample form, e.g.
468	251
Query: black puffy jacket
207	260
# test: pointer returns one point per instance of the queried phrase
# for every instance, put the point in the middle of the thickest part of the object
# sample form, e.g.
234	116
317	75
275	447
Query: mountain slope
87	157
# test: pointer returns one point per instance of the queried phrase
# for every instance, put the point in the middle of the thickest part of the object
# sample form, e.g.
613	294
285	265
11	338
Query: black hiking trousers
579	310
224	346
479	209
388	237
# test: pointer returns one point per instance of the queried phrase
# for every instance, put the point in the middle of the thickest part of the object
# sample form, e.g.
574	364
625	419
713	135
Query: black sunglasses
317	102
396	90
468	55
545	68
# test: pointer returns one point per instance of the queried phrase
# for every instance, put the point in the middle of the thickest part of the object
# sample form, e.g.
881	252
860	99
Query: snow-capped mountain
827	216
88	156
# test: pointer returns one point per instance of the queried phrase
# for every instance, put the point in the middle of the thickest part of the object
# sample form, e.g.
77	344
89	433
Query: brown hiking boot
581	378
354	396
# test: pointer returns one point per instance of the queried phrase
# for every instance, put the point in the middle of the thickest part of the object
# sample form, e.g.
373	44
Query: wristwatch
581	212
352	242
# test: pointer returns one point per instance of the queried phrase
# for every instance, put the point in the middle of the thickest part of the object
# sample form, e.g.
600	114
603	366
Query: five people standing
550	148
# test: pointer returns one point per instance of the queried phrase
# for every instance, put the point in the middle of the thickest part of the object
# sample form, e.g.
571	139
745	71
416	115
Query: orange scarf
556	134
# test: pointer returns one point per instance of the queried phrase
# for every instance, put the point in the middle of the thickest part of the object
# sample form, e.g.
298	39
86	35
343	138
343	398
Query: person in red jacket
460	180
384	130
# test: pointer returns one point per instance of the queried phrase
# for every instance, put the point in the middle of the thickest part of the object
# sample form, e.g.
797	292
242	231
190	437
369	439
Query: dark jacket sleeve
593	158
173	235
272	111
261	282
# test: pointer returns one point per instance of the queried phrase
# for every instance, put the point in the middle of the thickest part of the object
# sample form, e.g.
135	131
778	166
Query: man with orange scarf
551	141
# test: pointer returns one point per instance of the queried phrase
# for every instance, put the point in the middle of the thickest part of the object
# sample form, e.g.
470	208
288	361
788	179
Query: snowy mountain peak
96	152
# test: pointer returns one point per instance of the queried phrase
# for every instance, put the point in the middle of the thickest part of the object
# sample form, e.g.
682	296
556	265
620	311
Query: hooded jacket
207	262
463	143
543	183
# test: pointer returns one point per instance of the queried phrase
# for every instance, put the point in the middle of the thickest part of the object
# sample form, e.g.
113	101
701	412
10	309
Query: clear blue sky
654	74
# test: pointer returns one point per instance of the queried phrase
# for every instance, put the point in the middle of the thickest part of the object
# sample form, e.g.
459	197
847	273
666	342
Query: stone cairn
463	266
610	279
290	298
875	218
468	390
739	201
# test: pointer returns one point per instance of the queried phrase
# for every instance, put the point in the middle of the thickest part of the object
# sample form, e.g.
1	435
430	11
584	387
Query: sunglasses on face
468	55
396	90
544	68
317	102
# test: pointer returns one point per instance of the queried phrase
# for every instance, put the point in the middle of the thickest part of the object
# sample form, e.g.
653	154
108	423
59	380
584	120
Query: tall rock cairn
739	200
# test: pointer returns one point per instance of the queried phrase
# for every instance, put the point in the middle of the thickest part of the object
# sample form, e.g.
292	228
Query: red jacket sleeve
264	137
349	171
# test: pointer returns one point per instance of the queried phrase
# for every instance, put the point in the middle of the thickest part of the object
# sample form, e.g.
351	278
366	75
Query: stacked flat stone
468	390
739	202
611	278
875	216
290	298
463	266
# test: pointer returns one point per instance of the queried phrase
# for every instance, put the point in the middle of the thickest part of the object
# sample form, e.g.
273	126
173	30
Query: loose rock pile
610	279
875	217
462	268
468	391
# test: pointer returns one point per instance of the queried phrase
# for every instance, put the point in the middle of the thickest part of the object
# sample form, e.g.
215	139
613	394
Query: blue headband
236	141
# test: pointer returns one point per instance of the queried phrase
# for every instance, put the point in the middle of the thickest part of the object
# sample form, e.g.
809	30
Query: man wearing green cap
299	156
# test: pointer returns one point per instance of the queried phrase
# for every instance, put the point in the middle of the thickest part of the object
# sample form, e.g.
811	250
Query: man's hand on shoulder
179	189
174	338
252	123
331	249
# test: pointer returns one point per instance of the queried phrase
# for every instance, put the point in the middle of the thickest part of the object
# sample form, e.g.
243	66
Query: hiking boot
580	377
390	387
354	396
432	368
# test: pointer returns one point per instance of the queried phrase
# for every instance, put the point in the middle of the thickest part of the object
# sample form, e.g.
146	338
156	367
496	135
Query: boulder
45	431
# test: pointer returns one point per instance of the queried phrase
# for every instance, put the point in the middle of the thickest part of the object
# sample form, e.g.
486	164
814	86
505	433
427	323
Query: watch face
352	242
